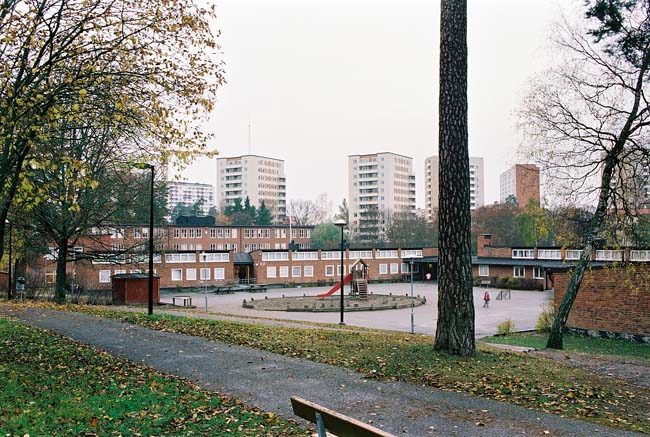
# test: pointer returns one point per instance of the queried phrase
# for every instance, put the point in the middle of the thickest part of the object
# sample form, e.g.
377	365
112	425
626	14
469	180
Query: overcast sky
321	79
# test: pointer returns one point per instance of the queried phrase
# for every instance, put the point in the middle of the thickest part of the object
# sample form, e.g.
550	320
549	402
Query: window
523	253
412	253
219	233
309	271
120	272
640	255
177	274
226	233
549	254
271	272
199	233
247	233
284	271
338	270
190	274
329	270
175	232
215	257
50	277
383	269
609	255
355	254
183	233
191	232
519	271
405	268
234	233
386	253
394	268
298	256
483	270
219	273
136	233
180	257
275	256
145	232
538	273
293	233
333	254
205	274
295	271
104	276
213	233
573	254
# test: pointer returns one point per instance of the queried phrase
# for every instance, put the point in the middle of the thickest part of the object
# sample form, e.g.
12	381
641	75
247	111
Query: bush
502	282
506	328
546	319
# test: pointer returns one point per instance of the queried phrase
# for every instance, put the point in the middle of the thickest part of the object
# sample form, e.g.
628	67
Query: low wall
612	301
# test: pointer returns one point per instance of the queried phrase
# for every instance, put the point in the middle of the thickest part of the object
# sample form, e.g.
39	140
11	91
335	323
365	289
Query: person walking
486	299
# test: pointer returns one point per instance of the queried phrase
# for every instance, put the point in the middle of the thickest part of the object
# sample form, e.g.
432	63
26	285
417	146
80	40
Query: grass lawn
576	343
521	379
53	386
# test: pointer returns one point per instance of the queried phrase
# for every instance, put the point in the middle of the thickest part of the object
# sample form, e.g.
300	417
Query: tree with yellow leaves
153	63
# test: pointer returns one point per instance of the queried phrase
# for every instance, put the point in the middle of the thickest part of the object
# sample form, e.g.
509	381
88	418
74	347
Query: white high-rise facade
432	184
257	177
378	183
188	194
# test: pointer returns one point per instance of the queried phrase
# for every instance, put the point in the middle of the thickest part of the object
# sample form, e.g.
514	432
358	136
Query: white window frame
483	270
640	255
338	269
523	253
177	274
538	272
515	272
296	271
394	268
308	271
219	273
572	254
271	272
284	271
104	276
383	269
190	274
329	270
204	273
549	254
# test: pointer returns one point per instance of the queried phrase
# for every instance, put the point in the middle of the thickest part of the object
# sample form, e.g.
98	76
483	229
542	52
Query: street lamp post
341	224
412	301
143	166
10	260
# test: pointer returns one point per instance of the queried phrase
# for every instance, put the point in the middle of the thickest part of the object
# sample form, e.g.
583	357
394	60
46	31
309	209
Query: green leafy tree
405	229
455	327
264	217
153	64
250	210
590	117
326	236
195	209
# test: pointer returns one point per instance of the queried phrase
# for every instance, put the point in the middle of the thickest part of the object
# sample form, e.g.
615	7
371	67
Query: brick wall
615	299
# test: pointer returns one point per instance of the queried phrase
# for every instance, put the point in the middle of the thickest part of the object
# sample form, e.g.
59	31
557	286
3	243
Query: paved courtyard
523	308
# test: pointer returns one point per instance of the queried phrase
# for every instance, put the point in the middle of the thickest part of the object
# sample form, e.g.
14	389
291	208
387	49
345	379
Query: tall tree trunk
455	328
61	276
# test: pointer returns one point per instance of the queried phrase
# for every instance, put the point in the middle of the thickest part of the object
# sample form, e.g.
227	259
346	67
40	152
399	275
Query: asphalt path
267	380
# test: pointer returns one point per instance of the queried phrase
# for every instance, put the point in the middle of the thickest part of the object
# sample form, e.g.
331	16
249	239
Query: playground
357	298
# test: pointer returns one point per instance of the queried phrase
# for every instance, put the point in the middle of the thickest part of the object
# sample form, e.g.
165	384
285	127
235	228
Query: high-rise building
432	184
188	194
378	183
522	182
257	177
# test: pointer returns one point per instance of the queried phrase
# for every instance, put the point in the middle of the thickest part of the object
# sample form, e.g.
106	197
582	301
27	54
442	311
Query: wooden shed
131	288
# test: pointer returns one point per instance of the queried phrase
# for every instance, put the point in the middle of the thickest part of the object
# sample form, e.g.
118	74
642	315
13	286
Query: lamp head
340	223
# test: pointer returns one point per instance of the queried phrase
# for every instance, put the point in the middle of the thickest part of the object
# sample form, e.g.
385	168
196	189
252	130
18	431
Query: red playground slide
334	289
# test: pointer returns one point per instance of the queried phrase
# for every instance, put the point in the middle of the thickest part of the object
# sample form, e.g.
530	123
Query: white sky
321	79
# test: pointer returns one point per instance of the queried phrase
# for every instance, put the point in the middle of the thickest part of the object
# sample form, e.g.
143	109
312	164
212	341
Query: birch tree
587	122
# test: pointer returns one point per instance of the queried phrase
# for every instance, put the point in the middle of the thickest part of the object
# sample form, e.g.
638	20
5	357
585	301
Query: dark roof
424	259
194	220
243	258
134	276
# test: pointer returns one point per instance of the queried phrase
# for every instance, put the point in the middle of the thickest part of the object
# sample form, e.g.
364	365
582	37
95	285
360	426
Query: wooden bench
335	423
187	301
